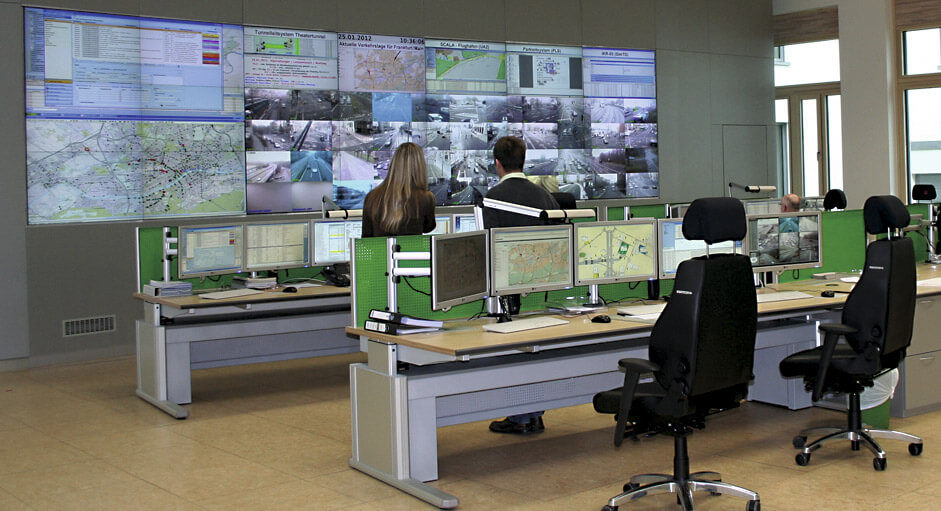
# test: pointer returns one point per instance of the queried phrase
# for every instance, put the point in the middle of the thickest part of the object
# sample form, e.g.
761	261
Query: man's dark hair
510	152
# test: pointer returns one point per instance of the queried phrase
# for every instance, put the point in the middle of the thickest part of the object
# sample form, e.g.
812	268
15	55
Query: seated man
790	202
510	153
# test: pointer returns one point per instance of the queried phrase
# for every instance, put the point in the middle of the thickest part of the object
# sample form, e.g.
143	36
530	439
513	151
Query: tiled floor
277	436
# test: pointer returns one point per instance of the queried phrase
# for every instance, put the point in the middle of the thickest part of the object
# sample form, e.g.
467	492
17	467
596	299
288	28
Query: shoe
518	428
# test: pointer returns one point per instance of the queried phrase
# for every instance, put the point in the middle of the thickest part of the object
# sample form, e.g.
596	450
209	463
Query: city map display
110	170
373	63
531	259
614	252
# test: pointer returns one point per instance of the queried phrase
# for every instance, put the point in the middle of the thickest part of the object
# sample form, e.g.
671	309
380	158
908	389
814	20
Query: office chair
565	200
834	199
924	192
701	355
877	327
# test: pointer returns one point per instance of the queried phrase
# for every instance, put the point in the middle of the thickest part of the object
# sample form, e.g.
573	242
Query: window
920	86
807	113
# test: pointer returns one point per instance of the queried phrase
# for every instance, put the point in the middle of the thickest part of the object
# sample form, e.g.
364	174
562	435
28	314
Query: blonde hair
408	177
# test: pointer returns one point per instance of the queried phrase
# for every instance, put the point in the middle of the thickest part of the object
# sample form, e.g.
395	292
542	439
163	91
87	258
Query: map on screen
376	63
610	252
533	258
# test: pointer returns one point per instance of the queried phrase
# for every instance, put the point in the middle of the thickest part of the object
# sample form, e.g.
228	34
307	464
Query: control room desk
181	333
413	384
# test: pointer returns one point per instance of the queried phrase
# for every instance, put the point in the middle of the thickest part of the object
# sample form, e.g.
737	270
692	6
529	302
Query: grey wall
715	111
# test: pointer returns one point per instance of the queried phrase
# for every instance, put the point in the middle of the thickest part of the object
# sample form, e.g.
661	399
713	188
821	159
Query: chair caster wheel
609	508
799	442
915	449
753	505
631	486
878	464
802	459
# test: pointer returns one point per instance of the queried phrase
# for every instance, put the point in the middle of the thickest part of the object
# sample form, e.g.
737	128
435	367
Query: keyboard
231	293
640	310
782	296
518	325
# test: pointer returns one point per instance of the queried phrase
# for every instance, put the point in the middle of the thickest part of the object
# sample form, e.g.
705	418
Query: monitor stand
594	297
498	307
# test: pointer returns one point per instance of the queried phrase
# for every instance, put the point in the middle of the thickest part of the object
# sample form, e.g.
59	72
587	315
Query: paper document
652	317
851	280
930	282
642	310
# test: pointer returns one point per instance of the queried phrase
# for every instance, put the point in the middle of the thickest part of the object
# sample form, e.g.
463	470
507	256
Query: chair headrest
924	192
565	200
884	212
834	199
715	219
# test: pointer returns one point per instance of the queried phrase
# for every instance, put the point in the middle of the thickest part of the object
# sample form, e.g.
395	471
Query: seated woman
402	204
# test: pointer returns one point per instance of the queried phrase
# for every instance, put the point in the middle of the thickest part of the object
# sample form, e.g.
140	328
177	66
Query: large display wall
131	118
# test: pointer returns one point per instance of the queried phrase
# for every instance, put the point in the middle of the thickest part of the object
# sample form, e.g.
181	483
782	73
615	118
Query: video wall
130	117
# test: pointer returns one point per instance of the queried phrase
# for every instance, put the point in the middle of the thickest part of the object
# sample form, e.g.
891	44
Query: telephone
332	276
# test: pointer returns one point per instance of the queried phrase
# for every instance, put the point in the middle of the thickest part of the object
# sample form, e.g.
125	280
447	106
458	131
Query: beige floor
277	436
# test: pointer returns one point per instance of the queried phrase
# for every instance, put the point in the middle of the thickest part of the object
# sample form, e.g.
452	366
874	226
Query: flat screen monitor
442	224
458	268
332	240
273	246
785	241
609	252
528	259
209	250
762	206
674	248
465	223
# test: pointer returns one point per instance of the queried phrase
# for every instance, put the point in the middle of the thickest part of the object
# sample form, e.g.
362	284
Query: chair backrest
834	199
565	200
705	337
882	304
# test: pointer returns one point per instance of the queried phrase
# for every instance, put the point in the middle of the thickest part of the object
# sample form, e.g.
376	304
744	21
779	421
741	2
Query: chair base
857	435
682	483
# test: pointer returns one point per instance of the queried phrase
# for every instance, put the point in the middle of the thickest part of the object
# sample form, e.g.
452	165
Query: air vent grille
88	326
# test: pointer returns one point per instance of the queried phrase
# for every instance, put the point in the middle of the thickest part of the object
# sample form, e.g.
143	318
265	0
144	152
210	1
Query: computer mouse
827	294
289	289
601	318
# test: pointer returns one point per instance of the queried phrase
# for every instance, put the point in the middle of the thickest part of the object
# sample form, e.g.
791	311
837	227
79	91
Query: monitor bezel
313	240
245	229
661	274
435	262
615	280
181	247
786	266
531	289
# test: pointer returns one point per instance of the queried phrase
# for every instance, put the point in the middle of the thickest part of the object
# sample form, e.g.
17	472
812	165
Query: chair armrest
832	333
639	365
633	368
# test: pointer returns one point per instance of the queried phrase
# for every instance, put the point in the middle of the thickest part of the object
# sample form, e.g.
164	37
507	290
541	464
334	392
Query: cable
413	287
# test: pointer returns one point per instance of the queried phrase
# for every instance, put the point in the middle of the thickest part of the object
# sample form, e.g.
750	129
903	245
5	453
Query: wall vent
87	326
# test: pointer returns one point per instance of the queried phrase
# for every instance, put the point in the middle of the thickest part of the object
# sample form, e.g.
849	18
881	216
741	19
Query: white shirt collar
512	175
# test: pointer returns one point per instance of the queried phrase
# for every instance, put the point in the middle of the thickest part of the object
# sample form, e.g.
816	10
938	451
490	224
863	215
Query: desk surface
275	295
463	337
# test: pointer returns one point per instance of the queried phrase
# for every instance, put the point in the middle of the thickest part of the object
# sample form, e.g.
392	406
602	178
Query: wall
715	108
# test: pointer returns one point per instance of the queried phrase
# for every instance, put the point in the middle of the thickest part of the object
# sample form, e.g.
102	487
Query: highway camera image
268	167
472	174
540	109
431	108
312	135
541	135
478	108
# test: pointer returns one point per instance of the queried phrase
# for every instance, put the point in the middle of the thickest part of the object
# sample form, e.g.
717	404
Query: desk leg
381	427
152	365
423	439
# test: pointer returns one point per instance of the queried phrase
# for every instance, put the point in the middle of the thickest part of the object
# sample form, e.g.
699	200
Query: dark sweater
518	191
419	216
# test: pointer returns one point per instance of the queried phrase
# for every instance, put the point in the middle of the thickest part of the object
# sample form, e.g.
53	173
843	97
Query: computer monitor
785	241
673	248
762	206
528	259
465	223
332	240
609	252
277	245
209	250
442	224
459	268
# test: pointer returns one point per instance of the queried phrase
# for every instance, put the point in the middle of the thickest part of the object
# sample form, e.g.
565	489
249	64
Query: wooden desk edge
195	302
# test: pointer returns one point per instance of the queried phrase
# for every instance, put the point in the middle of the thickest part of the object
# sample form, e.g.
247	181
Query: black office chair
877	329
924	192
701	355
565	200
834	199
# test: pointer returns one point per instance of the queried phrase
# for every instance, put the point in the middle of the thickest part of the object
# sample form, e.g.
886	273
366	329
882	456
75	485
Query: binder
403	319
395	329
